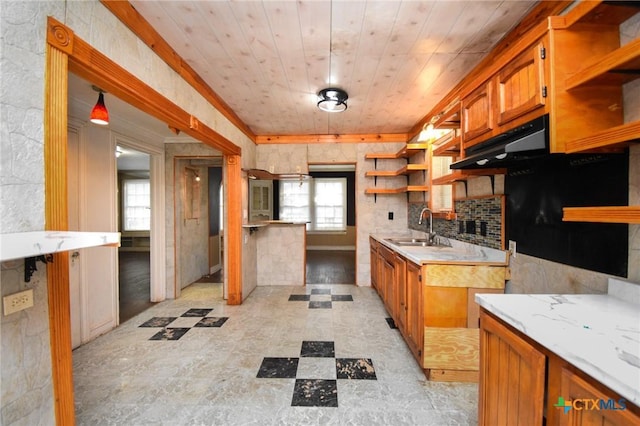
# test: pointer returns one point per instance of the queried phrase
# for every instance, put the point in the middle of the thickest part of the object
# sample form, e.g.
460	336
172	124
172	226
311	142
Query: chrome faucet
431	234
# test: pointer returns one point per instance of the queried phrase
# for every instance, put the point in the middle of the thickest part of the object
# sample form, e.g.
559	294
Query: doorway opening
199	226
331	236
134	225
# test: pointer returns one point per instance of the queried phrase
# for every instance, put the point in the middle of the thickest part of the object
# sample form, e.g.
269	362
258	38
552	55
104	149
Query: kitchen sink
416	242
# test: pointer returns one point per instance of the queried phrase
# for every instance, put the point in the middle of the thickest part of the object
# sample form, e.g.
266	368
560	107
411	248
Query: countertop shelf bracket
30	265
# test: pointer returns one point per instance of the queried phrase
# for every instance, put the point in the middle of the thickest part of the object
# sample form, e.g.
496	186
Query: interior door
92	208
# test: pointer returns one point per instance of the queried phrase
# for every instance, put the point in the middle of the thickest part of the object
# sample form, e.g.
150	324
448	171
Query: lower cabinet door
587	405
414	319
512	377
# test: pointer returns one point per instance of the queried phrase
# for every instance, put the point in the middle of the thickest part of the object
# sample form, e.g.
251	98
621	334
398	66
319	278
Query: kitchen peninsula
429	293
282	246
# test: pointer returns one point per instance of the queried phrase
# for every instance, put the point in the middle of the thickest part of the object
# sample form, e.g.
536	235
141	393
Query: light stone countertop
599	334
458	252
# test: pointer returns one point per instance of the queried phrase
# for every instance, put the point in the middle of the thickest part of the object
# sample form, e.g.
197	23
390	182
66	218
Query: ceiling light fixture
99	114
426	133
332	100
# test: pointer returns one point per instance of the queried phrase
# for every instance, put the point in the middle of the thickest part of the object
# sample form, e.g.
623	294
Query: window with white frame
330	204
322	202
136	202
294	200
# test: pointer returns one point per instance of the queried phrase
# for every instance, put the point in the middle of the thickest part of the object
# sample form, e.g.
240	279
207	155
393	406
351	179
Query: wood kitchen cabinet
432	306
400	291
477	114
521	85
512	377
414	328
373	254
387	277
521	382
574	387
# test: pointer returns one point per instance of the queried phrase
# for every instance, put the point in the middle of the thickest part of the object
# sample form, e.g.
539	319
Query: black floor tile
158	322
211	322
170	334
299	297
341	298
315	304
391	322
315	393
278	368
197	312
317	349
355	368
321	291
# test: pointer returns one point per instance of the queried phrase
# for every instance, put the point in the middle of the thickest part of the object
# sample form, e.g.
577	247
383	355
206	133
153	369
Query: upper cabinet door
477	113
521	85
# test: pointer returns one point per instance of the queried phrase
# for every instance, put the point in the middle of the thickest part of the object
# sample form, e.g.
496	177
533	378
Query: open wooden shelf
601	13
618	67
621	214
619	136
449	148
406	152
406	170
401	190
455	176
463	175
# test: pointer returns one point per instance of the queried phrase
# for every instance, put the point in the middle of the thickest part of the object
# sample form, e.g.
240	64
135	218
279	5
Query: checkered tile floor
320	298
316	371
181	325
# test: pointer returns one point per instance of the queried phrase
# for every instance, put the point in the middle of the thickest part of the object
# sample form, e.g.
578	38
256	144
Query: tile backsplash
478	221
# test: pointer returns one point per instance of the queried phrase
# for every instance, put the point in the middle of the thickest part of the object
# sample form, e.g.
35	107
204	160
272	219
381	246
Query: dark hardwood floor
331	267
323	267
134	283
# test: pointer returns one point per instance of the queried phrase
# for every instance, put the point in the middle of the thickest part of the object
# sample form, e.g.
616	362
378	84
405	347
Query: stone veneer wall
26	394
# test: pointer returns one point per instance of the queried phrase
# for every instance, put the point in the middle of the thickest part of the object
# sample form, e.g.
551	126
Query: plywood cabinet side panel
582	111
477	276
451	348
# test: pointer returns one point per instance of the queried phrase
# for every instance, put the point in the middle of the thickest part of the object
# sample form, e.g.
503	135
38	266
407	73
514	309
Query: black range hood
525	142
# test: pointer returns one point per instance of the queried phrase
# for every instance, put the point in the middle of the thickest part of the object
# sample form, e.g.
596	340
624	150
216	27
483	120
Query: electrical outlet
512	248
17	301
